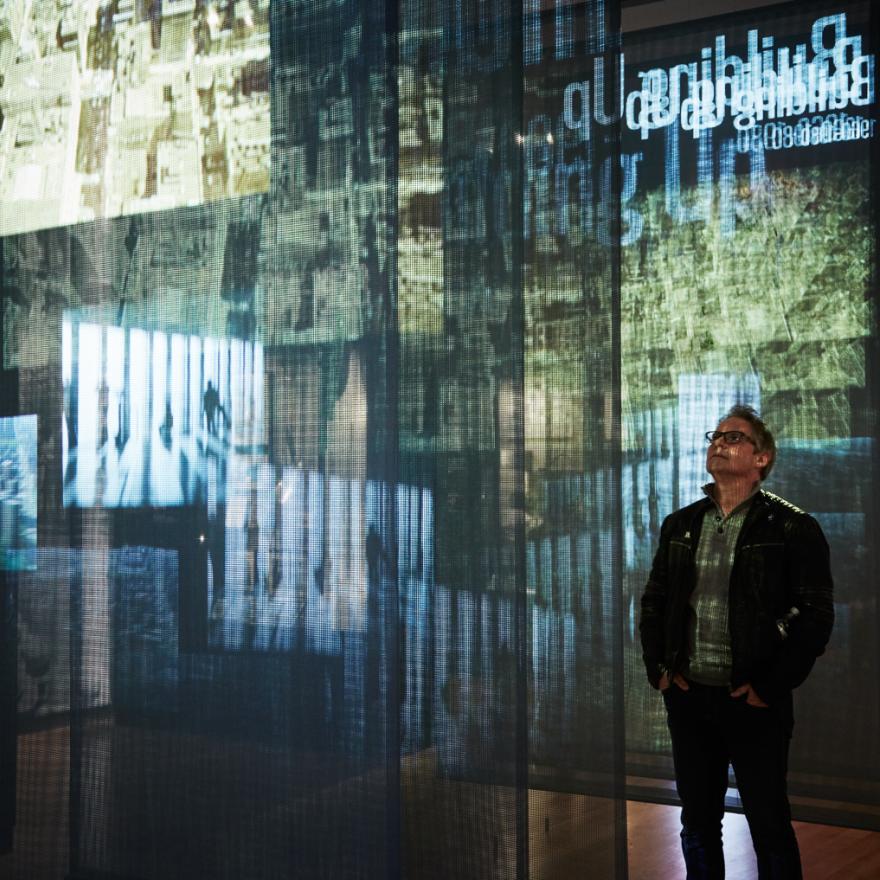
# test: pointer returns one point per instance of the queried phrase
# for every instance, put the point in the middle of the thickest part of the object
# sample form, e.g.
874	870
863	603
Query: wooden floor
827	852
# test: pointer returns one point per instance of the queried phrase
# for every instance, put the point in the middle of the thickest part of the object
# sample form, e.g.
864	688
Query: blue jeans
710	731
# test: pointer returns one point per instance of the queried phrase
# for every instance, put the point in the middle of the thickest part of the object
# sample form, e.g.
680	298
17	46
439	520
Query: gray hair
764	440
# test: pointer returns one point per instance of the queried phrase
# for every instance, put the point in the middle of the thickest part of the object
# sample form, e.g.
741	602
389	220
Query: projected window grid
151	417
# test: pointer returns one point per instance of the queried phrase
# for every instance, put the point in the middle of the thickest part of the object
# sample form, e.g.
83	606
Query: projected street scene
302	554
150	417
18	493
113	107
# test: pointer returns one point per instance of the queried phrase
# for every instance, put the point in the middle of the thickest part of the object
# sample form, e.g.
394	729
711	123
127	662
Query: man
210	404
737	608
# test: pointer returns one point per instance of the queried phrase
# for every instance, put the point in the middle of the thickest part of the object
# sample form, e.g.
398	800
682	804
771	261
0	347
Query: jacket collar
761	510
709	492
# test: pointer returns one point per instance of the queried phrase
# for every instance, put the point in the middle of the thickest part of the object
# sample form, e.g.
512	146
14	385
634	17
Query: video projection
747	268
125	106
325	609
152	418
571	423
352	461
18	493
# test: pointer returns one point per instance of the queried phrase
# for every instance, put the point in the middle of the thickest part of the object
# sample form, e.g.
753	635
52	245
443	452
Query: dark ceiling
639	14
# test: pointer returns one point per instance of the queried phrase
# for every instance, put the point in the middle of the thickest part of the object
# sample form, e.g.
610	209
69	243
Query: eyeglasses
731	438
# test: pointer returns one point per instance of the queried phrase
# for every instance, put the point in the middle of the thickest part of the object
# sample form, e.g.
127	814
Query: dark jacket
781	562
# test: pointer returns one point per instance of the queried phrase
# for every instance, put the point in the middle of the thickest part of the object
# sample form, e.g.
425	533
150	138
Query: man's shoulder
798	524
780	504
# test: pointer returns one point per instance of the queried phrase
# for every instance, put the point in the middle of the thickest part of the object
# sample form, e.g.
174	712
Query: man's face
736	460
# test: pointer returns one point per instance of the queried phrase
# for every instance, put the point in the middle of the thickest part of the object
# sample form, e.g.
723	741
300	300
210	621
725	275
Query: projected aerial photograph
112	107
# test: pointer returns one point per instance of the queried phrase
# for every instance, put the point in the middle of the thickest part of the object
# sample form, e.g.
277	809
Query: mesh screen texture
326	575
384	338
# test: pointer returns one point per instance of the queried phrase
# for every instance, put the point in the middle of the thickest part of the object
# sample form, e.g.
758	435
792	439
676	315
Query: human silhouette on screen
210	404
